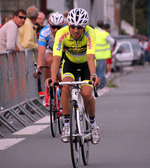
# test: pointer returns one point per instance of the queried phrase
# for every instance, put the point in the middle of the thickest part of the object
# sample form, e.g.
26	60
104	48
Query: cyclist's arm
92	69
54	68
91	63
42	43
41	54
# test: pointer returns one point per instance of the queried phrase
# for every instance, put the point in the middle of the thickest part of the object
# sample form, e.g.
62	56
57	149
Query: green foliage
123	32
110	84
141	14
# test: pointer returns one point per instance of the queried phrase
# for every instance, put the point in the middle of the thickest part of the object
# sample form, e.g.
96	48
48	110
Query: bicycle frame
76	96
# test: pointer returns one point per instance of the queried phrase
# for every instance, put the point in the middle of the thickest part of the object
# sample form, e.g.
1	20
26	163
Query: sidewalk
113	81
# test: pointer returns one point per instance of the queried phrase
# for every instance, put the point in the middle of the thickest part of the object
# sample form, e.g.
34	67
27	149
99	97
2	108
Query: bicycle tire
60	115
86	144
74	140
60	123
53	114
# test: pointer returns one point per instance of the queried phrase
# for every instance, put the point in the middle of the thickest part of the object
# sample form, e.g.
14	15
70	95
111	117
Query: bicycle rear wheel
74	138
53	113
86	143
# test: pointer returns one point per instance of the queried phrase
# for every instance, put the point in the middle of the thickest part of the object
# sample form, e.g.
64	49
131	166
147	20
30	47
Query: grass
110	84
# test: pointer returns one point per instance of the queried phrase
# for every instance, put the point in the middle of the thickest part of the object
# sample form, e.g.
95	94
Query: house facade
106	10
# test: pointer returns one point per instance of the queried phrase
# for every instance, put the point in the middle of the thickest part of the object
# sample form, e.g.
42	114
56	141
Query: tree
141	14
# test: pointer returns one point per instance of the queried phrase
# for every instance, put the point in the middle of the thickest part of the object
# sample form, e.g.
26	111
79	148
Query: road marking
6	143
44	120
30	130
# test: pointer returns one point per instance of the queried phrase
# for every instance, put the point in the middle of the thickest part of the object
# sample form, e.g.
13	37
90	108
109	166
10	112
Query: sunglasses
78	27
22	17
55	27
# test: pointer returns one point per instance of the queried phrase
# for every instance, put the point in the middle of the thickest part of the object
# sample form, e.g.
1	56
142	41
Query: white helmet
56	19
78	17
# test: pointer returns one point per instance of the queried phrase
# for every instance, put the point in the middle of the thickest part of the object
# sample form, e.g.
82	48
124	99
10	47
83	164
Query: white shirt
8	36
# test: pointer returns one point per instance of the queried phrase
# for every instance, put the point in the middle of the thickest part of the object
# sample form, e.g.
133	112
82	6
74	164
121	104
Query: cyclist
45	46
78	39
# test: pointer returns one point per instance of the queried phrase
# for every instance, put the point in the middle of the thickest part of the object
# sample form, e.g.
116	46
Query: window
124	48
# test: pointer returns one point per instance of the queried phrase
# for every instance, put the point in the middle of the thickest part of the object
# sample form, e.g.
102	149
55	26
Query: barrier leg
1	135
35	108
6	123
39	112
41	104
18	118
23	109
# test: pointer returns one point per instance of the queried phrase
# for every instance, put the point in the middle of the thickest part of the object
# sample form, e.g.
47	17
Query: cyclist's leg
90	107
66	76
66	109
88	99
48	62
86	91
66	97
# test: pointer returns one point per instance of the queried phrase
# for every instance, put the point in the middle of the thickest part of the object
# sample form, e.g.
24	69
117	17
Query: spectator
27	33
147	51
65	14
39	23
9	32
5	20
40	18
106	27
103	41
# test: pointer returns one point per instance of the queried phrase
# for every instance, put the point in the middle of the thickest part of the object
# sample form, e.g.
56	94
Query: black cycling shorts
72	69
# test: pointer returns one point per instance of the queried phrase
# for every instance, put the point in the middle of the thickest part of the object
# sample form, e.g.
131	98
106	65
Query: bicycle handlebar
75	83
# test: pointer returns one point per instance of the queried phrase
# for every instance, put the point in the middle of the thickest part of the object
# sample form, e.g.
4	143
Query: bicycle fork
81	117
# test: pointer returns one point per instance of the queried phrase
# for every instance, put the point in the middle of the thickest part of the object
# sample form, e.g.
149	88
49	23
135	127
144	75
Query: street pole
133	16
149	19
0	14
71	4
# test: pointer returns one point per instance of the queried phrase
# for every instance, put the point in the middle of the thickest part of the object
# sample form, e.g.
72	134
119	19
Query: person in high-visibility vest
103	51
106	27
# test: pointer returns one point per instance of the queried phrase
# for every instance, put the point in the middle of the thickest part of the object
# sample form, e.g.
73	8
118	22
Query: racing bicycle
55	105
80	135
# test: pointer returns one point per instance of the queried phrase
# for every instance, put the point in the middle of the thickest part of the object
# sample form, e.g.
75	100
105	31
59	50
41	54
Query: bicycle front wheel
74	137
60	122
86	143
53	114
60	114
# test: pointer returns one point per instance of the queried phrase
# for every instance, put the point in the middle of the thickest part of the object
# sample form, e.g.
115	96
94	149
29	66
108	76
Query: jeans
101	70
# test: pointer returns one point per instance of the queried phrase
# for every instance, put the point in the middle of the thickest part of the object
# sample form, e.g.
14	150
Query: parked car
127	52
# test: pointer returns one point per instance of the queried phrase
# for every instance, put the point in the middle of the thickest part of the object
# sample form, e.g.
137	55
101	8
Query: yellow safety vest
102	46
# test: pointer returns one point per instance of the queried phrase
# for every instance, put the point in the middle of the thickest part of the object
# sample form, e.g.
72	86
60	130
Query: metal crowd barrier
19	97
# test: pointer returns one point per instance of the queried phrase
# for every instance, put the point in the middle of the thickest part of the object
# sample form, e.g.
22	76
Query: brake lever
95	89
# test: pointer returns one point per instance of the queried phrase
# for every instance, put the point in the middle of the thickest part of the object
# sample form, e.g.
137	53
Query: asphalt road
123	115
